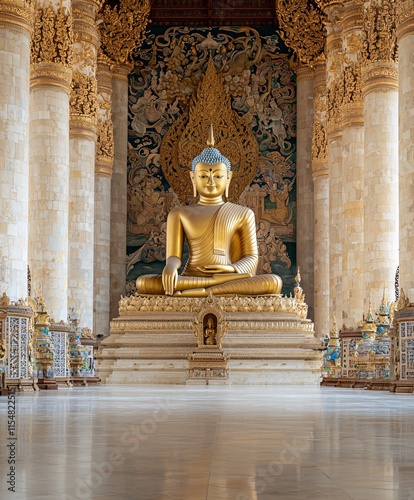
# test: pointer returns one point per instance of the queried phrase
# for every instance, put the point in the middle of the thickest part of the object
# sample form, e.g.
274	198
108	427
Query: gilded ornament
122	29
83	98
210	104
380	32
238	304
302	28
52	41
17	14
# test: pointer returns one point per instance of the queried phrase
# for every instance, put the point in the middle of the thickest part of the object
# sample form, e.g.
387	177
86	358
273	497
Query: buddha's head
210	172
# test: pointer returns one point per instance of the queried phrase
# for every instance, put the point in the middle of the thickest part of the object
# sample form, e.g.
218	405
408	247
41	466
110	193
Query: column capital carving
353	114
122	29
380	32
17	14
405	18
52	41
46	74
83	105
84	21
304	72
302	28
104	74
104	153
381	76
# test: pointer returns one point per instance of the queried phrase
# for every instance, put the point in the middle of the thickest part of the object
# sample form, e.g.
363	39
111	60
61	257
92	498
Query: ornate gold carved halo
186	138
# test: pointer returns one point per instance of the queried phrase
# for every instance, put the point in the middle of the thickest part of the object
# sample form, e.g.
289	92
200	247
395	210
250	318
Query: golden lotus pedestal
233	340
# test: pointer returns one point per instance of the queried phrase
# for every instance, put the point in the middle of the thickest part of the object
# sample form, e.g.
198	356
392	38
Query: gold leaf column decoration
83	98
105	133
302	28
52	48
379	48
17	14
319	137
122	29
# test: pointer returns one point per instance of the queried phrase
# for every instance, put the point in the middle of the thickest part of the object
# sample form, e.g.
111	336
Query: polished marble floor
211	443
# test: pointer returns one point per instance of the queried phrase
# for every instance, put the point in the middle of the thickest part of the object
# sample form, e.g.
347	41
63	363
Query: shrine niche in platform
250	95
210	328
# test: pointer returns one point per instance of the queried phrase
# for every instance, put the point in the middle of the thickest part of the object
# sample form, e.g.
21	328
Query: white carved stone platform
262	340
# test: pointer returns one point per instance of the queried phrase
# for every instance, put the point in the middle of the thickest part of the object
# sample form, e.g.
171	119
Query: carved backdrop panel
257	75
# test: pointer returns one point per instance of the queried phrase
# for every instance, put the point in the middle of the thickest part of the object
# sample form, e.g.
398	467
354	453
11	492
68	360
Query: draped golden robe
230	239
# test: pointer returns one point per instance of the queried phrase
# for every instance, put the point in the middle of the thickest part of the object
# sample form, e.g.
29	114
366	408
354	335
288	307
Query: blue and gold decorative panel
257	73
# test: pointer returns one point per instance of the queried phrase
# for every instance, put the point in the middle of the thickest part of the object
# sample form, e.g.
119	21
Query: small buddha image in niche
210	329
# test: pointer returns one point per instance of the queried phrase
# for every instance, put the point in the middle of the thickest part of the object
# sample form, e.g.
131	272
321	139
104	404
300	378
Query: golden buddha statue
221	237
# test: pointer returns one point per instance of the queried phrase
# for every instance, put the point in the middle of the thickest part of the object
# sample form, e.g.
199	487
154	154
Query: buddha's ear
193	182
229	176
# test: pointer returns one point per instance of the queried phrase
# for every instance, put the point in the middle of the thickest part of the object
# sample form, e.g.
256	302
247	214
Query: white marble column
83	116
103	174
334	139
304	231
119	187
321	202
16	25
49	157
380	90
405	36
352	124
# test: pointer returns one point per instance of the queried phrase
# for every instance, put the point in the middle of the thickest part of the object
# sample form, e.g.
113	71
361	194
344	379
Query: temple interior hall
206	249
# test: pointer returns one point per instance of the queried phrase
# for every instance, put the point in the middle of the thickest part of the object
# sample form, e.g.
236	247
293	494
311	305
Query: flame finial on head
210	140
210	155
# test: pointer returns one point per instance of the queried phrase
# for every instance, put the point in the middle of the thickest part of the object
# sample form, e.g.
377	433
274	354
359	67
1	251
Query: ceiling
213	13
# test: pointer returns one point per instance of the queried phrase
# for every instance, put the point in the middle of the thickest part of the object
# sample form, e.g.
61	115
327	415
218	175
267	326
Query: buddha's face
210	180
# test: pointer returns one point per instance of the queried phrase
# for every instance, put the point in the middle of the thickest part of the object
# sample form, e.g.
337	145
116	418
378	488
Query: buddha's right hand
170	275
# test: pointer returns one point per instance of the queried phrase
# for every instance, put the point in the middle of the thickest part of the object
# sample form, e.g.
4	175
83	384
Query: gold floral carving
122	29
352	84
187	137
104	152
105	147
302	28
83	102
335	98
17	14
52	41
319	136
380	32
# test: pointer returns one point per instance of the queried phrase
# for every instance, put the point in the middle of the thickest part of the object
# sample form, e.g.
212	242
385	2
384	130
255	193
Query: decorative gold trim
17	14
50	75
304	72
104	169
380	77
353	114
82	126
286	306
